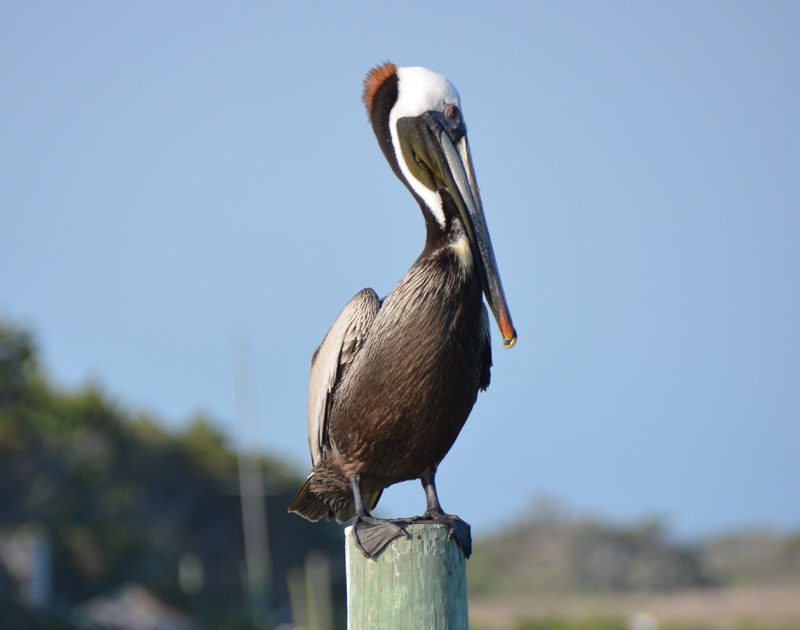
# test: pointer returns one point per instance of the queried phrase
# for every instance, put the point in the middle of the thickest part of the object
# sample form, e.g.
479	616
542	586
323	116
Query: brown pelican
394	380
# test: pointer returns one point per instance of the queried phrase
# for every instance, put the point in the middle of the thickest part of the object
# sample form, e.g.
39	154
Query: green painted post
418	582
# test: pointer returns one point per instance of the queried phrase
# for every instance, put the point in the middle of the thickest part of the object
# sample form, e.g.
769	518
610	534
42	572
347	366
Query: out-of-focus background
190	192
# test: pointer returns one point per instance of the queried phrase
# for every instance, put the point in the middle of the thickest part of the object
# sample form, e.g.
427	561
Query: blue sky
174	176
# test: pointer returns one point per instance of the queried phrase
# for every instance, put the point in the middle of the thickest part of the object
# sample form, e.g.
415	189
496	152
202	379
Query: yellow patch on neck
463	251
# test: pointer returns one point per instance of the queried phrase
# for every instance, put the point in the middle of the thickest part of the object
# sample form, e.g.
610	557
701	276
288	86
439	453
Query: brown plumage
401	403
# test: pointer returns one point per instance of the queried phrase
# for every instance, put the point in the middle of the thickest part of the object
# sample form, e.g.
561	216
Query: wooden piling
417	581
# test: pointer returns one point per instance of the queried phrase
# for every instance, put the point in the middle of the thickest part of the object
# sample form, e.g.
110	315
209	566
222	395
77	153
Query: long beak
451	164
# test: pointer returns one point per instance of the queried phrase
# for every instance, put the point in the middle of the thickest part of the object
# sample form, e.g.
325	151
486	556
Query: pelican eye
451	111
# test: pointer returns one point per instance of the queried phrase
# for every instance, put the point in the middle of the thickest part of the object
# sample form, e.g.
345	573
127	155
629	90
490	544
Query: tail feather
313	506
309	505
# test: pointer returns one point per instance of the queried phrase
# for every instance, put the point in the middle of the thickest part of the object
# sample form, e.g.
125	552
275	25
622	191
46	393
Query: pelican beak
437	152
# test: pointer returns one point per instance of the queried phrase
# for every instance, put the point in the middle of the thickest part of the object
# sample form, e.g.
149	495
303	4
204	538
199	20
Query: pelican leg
371	534
460	530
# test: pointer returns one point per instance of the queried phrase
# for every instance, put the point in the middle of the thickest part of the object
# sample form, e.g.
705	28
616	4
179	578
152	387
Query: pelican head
416	116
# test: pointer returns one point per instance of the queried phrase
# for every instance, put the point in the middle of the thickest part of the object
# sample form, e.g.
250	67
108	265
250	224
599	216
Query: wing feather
330	362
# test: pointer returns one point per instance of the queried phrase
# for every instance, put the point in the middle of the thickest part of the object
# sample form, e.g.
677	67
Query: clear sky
174	175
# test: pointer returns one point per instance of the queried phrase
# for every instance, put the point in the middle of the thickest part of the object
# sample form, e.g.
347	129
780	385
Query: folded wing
330	363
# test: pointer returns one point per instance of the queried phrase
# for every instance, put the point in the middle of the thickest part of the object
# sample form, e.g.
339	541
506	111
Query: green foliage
123	500
15	615
17	361
207	449
549	551
754	557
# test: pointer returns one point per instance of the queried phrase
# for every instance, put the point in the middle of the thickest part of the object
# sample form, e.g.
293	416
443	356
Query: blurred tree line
549	550
121	500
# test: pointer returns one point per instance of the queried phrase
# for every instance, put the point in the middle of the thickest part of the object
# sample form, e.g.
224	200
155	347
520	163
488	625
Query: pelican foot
460	530
373	534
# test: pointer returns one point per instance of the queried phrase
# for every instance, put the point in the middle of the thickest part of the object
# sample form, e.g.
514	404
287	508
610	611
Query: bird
394	380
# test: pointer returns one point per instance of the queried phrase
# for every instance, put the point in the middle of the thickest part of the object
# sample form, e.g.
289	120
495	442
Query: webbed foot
373	534
460	530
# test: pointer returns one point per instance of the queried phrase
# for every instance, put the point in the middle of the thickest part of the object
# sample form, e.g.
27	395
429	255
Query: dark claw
373	534
460	530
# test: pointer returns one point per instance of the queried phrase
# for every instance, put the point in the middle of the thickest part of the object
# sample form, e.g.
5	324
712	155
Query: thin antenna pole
251	490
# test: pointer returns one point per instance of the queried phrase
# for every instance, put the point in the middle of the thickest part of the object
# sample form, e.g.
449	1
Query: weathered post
418	581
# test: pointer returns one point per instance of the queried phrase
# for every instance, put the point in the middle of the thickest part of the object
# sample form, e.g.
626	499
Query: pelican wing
330	362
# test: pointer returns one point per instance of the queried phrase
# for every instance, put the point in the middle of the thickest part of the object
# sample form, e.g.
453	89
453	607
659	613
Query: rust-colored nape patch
374	80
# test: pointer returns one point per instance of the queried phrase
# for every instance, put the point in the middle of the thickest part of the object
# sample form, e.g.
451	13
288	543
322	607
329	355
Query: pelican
394	380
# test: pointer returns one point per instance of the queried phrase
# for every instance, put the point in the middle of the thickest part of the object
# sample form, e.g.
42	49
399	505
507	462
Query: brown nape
374	79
